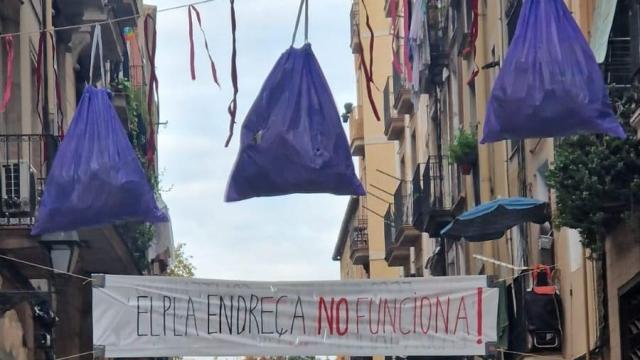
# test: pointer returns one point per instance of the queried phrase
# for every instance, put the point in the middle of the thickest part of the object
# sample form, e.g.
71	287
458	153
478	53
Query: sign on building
136	316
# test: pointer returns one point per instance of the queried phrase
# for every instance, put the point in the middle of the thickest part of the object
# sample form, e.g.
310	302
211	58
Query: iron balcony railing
386	101
618	67
359	236
418	198
403	201
24	160
434	184
389	233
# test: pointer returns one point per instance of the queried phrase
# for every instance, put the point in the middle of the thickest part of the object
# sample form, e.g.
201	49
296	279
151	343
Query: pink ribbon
8	45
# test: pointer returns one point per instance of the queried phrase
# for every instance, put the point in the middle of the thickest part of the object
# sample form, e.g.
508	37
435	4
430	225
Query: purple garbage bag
96	177
549	84
292	140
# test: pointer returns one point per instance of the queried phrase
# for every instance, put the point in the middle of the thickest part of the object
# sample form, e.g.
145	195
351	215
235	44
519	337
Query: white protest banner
144	316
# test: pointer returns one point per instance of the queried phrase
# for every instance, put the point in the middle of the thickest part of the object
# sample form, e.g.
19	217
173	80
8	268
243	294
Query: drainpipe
482	90
46	131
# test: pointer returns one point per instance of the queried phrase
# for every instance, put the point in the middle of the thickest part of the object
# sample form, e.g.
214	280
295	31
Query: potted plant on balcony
463	150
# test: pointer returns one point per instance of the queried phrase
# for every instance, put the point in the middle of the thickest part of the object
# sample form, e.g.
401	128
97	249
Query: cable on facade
108	21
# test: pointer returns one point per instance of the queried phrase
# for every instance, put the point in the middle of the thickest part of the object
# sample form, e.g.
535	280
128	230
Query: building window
623	51
512	13
629	302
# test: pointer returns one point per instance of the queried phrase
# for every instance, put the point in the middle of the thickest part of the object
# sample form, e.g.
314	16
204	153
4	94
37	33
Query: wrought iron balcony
393	123
359	240
436	210
355	23
24	159
618	67
394	254
402	102
356	131
403	206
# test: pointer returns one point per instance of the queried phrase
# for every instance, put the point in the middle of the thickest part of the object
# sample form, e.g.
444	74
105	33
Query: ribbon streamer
393	4
153	85
367	76
473	37
8	45
407	63
371	38
233	105
214	73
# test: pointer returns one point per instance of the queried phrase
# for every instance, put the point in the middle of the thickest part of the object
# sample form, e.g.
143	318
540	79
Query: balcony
24	161
394	255
393	123
436	210
356	132
402	102
403	210
355	24
359	240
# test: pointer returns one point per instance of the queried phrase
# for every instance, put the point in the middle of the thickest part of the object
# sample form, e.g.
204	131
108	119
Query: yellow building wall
379	153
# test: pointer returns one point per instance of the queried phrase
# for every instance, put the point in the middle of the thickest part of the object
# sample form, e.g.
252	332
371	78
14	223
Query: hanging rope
109	21
47	268
303	4
75	356
214	73
233	105
8	45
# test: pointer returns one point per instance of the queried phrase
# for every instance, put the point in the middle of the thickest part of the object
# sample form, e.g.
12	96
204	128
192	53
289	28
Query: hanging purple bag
96	177
550	84
292	140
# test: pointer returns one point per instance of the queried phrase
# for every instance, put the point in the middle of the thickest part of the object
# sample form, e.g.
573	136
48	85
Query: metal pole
586	304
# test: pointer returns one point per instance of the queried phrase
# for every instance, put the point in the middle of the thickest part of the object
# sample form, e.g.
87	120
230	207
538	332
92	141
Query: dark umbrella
490	220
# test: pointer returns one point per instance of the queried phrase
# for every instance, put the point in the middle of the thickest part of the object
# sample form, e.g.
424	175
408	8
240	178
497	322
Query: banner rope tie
47	268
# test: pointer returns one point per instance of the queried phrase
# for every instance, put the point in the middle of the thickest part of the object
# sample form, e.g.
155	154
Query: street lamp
63	249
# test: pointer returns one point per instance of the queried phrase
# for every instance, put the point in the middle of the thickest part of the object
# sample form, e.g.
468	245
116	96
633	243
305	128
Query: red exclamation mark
479	315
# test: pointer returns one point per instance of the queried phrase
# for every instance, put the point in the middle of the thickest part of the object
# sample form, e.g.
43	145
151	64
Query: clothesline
47	268
108	21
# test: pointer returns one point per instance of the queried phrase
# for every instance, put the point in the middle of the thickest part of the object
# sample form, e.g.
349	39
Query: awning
601	28
490	220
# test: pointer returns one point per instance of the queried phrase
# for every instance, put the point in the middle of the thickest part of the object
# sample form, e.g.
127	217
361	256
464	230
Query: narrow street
320	179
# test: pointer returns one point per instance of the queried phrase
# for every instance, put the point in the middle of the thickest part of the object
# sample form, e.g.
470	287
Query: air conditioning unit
17	178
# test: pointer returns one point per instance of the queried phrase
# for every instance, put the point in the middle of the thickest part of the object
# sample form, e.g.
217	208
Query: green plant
182	266
597	178
463	149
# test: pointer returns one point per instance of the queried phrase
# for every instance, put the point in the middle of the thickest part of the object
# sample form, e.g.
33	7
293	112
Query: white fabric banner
145	316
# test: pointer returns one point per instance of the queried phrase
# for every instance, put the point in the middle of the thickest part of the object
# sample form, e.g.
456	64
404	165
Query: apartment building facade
46	314
442	59
360	246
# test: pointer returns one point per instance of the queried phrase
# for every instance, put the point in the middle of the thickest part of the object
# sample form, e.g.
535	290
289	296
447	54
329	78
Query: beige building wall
379	154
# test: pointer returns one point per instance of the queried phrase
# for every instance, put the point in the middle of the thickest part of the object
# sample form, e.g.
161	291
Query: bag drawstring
97	41
305	4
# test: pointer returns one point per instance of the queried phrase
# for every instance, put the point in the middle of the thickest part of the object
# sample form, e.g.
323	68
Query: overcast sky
281	238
